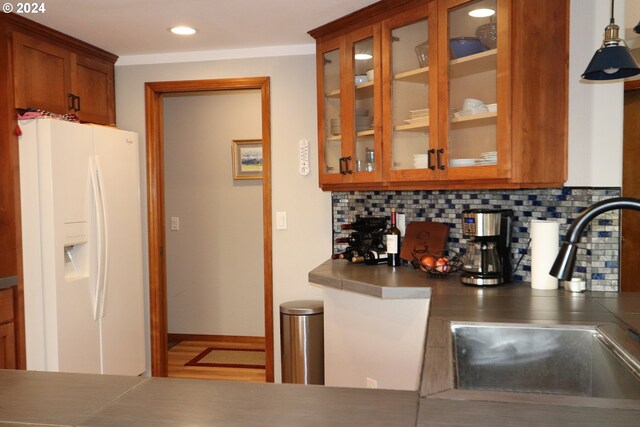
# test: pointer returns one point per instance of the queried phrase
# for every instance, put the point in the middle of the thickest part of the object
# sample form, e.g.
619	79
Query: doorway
154	93
630	221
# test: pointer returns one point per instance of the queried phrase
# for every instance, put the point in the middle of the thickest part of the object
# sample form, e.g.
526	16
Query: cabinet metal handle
70	101
342	172
439	158
73	102
346	164
429	153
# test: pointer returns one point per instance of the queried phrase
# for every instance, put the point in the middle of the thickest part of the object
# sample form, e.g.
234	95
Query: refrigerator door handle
100	237
105	242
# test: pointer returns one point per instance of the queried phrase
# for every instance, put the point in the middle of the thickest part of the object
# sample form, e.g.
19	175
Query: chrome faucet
566	259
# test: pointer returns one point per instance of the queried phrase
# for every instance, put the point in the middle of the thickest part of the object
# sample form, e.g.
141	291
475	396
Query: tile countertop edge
8	282
344	275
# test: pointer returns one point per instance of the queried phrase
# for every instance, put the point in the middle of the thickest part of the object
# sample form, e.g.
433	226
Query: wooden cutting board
426	236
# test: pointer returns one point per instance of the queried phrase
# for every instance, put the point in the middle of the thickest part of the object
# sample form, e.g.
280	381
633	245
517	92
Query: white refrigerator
82	248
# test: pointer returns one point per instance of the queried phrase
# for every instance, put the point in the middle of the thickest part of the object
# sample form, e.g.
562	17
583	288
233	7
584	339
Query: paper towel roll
544	248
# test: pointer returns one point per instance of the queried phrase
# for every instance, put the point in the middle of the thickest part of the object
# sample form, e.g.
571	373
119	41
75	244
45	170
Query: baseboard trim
219	338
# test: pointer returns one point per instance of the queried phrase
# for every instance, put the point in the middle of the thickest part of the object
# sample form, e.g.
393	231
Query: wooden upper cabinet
92	81
41	74
465	101
54	77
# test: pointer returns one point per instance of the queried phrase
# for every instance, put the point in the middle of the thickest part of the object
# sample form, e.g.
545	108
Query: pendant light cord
612	20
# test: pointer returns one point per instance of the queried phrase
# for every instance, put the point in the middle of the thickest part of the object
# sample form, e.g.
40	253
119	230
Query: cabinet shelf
333	94
475	119
473	64
416	127
419	75
368	132
334	138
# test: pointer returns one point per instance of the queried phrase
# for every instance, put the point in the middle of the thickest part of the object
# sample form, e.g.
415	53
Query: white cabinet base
373	341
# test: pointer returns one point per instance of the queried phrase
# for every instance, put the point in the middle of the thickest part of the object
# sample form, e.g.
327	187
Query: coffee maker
487	261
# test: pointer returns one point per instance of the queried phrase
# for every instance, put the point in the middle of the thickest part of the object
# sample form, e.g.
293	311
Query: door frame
154	92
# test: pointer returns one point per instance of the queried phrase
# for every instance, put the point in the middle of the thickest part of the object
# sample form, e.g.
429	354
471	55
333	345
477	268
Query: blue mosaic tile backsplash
600	245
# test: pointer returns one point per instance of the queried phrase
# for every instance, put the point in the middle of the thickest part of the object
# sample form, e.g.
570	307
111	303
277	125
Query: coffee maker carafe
487	261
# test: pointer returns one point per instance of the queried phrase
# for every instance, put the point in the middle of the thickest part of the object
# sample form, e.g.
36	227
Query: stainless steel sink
567	360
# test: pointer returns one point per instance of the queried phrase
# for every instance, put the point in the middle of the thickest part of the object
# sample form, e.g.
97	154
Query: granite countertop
94	400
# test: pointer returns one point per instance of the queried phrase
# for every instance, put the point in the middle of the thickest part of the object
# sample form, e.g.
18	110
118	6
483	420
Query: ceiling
134	29
139	27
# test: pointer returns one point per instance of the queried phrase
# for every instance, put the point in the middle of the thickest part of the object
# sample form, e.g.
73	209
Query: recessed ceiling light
482	13
182	30
362	56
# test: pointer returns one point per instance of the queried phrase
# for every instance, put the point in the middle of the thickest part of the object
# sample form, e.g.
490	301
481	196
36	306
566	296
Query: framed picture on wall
247	158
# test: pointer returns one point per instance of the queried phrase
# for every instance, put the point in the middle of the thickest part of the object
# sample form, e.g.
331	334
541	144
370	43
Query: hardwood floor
186	350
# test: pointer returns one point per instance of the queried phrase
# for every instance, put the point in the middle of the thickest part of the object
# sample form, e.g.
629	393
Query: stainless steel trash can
302	342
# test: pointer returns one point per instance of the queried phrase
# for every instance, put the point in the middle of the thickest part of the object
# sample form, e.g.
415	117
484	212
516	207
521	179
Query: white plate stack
363	121
420	161
462	162
415	116
488	158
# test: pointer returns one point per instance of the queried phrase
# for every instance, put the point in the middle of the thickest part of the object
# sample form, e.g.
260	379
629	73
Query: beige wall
307	241
220	235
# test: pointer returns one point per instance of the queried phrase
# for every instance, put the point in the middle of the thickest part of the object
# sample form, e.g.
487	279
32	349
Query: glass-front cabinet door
411	96
351	108
364	110
473	142
329	117
363	105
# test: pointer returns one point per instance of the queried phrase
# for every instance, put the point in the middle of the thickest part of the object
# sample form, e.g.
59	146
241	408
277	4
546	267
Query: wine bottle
393	242
347	254
353	240
371	257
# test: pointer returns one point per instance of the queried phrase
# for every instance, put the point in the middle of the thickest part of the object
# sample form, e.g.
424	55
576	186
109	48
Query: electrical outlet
371	383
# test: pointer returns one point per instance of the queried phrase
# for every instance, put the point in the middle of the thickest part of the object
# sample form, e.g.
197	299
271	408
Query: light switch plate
175	223
281	220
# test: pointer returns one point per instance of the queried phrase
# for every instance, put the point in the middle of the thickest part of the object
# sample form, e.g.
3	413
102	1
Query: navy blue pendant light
612	61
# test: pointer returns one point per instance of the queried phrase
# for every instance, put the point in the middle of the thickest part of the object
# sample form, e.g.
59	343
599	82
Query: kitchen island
93	400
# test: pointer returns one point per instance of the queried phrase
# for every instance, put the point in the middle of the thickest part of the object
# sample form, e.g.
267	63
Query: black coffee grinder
487	261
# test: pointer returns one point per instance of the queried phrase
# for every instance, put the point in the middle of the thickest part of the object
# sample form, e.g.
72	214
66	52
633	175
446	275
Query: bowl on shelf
360	79
465	46
488	34
370	75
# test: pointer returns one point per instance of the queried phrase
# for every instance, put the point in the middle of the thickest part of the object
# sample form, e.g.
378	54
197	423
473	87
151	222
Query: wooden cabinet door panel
41	74
7	346
93	83
6	305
